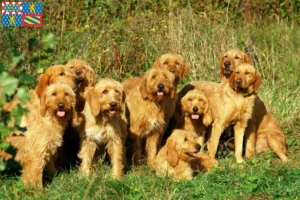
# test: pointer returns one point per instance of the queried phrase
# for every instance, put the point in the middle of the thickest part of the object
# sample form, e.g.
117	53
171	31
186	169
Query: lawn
124	43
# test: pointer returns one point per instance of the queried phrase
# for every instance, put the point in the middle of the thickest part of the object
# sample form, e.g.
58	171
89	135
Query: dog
104	123
149	111
45	128
180	157
83	71
263	130
192	113
230	104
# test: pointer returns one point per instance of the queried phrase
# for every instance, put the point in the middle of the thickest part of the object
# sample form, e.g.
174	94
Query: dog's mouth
160	93
192	154
195	116
112	112
227	71
61	113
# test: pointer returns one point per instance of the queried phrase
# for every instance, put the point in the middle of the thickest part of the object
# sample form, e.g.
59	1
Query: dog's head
230	60
195	104
106	97
83	71
59	101
158	83
182	145
174	63
56	74
245	79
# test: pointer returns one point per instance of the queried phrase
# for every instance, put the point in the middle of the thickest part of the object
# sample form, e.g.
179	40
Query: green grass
127	46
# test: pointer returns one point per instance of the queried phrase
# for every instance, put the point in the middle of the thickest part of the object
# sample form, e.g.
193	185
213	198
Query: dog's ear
92	99
257	82
123	104
185	70
43	106
156	63
143	88
207	116
43	83
75	121
221	74
247	59
172	92
232	80
172	155
90	76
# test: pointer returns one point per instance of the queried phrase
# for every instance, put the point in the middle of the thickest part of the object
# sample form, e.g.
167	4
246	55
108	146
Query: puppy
230	104
193	113
45	128
104	124
175	158
263	131
150	110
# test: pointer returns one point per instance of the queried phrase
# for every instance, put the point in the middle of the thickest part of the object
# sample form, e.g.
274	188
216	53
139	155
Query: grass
127	46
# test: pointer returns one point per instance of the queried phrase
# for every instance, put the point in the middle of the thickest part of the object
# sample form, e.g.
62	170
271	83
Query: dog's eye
225	56
247	73
66	94
166	62
105	92
185	139
176	63
189	99
54	94
62	73
236	57
200	99
237	72
153	77
117	91
71	67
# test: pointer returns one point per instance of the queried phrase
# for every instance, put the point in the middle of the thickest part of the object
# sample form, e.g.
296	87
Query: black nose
195	109
78	81
61	105
227	64
78	72
160	86
113	104
198	147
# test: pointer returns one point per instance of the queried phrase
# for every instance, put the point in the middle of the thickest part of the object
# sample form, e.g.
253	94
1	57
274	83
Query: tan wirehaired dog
192	113
149	111
263	130
180	157
45	128
175	63
230	104
85	73
230	60
105	124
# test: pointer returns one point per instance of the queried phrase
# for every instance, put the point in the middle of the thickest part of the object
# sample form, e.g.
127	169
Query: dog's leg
32	173
86	154
277	142
115	150
250	135
136	148
152	145
214	138
239	131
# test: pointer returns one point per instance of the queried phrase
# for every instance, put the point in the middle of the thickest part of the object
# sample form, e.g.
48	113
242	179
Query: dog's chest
242	108
101	134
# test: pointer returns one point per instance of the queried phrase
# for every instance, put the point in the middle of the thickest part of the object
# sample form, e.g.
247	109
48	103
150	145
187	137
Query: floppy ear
172	92
257	82
123	104
43	108
207	117
185	70
247	59
143	88
156	63
92	97
76	121
221	74
43	83
232	80
90	76
172	155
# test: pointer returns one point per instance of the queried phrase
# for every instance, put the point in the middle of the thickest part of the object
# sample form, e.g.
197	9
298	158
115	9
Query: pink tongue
61	113
160	93
112	111
195	154
195	116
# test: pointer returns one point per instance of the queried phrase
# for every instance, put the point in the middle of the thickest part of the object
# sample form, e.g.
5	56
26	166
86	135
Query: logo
22	13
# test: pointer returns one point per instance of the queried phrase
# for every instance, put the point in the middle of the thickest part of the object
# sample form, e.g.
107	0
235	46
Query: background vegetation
122	39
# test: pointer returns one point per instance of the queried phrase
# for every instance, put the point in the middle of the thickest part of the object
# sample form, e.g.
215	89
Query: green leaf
4	131
16	59
8	84
23	95
4	145
2	164
49	41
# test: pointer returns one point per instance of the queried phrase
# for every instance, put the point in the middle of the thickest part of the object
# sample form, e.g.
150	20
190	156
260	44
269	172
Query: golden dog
263	130
180	156
104	124
46	126
149	111
193	114
230	104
